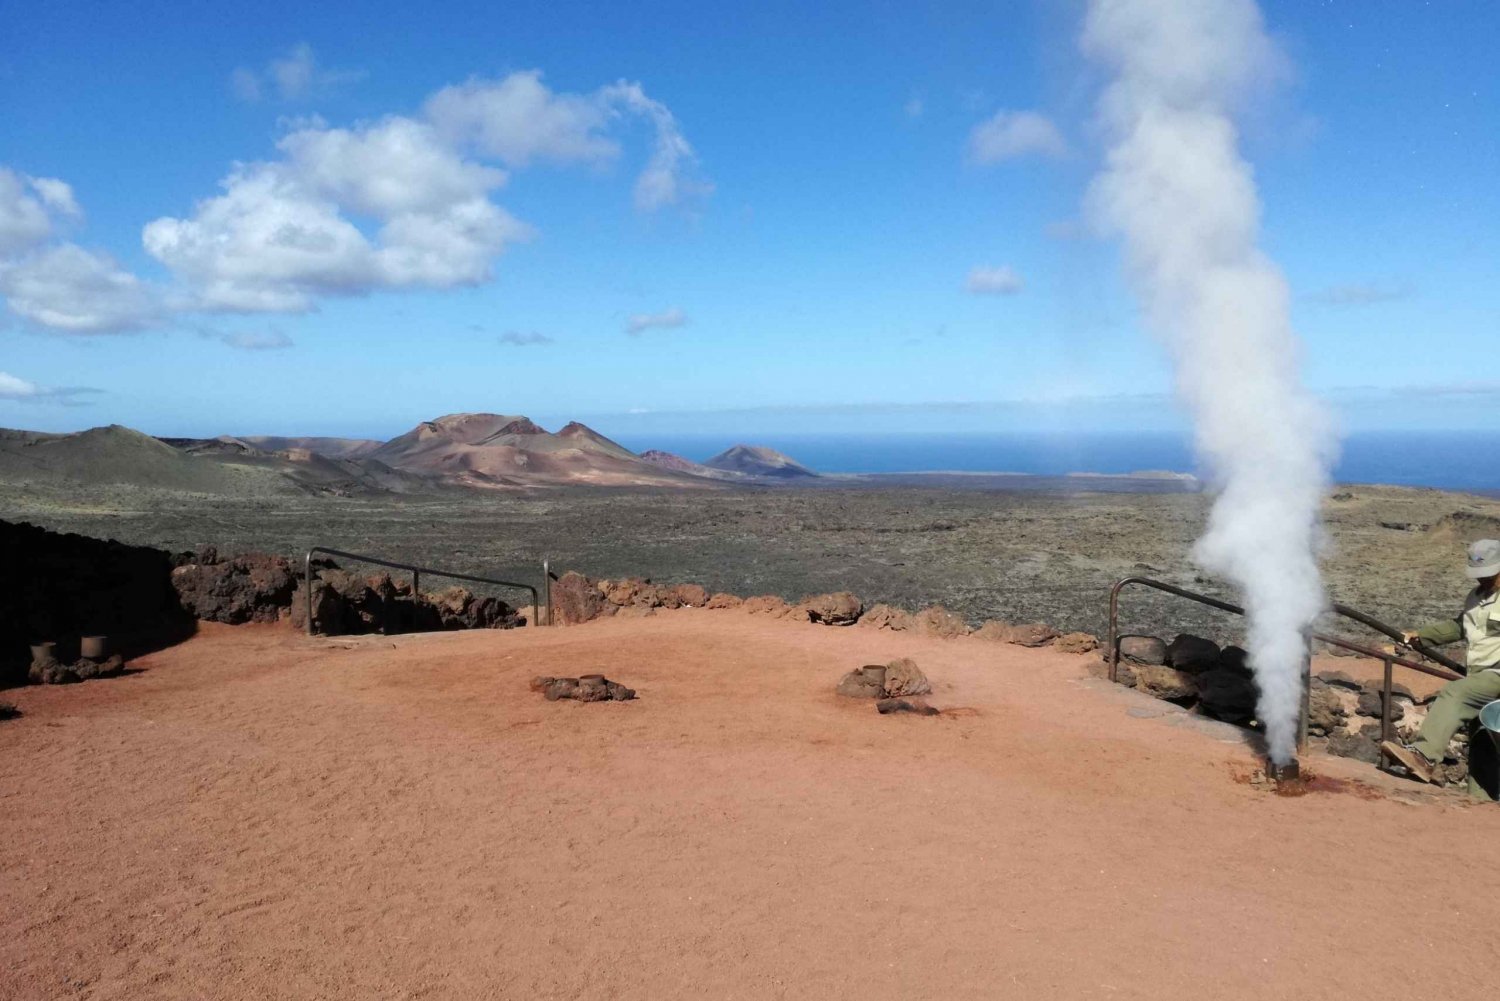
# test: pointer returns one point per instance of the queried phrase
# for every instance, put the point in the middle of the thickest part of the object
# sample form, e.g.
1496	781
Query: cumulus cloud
526	338
16	389
279	236
1007	135
400	202
1002	280
641	322
30	209
292	76
72	290
1362	293
519	120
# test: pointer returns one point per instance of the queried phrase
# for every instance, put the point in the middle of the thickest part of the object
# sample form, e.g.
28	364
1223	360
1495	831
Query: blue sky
679	217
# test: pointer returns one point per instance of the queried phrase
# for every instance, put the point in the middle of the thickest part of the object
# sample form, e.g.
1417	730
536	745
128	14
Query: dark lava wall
59	587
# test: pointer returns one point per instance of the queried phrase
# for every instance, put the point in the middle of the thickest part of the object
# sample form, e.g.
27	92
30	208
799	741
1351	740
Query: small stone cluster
46	669
893	685
587	688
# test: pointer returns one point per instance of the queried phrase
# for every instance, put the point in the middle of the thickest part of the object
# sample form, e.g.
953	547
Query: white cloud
256	340
913	107
278	236
29	209
16	389
397	203
294	75
1009	134
1001	280
641	322
72	290
521	339
519	120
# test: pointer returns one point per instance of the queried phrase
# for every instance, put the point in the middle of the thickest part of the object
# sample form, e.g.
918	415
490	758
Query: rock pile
1195	672
249	588
345	603
47	670
898	679
587	688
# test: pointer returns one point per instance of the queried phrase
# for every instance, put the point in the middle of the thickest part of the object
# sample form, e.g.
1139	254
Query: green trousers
1457	705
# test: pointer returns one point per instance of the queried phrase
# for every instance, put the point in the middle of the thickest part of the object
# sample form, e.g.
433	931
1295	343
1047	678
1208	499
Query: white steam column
1176	189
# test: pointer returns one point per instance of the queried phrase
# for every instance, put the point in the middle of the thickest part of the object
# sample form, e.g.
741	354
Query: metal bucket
1489	718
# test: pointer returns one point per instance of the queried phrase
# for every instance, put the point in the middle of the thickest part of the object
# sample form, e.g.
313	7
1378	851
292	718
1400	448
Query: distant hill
676	463
508	450
119	455
757	460
459	450
333	448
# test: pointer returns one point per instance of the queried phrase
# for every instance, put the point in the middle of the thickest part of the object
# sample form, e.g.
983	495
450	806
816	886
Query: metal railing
416	579
1451	670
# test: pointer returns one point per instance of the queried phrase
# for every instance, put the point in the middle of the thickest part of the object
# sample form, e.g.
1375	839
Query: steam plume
1184	200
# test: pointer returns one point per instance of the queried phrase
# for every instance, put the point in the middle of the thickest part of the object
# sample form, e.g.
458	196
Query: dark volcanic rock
1354	745
250	588
1371	703
1147	650
576	599
1325	713
1227	696
1192	654
837	609
589	688
1338	679
1233	658
61	586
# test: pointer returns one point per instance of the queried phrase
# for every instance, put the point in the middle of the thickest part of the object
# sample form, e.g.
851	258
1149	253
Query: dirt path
256	815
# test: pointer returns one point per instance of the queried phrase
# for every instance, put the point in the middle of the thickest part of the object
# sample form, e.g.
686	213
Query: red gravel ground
258	815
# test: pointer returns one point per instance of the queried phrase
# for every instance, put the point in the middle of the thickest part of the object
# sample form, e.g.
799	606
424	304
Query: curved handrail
415	571
1454	671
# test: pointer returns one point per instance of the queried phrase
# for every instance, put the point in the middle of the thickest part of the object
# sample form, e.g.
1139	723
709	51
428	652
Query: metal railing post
1385	701
547	588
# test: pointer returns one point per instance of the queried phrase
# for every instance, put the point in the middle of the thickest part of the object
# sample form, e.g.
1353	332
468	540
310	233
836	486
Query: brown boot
1413	760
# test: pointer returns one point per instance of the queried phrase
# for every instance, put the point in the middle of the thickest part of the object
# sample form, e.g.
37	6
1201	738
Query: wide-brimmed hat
1484	559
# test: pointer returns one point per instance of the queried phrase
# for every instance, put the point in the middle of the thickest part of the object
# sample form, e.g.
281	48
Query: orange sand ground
259	815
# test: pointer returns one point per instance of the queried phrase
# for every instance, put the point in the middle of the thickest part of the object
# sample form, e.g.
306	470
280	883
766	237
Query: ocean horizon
1447	460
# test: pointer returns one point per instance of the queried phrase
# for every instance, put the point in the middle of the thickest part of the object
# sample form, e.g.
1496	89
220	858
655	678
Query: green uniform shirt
1478	626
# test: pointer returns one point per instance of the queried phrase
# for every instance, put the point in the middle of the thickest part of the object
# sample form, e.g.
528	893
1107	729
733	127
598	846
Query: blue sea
1455	460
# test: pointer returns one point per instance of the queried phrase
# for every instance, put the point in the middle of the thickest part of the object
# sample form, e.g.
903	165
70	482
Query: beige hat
1484	559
